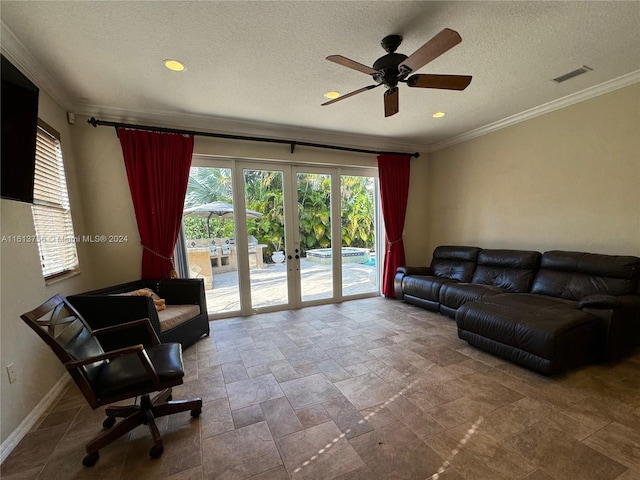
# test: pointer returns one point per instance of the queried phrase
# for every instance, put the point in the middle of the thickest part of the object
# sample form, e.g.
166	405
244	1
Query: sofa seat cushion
424	286
454	295
544	326
174	315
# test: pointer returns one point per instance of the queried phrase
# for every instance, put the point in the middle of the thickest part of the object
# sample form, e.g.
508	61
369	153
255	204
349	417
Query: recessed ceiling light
331	95
174	65
438	115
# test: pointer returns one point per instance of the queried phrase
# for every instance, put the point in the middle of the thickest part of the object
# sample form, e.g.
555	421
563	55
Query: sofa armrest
414	270
619	322
401	272
609	301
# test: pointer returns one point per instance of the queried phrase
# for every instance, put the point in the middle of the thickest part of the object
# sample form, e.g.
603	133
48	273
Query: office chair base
135	415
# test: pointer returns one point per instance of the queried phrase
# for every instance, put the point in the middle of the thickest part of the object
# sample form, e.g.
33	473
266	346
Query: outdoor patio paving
269	284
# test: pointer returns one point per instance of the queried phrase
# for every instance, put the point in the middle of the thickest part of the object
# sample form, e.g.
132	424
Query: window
51	212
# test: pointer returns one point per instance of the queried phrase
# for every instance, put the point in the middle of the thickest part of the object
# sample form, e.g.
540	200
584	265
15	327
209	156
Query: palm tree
208	185
263	191
314	211
357	211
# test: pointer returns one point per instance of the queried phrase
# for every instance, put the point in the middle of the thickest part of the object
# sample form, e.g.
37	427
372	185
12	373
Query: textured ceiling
253	65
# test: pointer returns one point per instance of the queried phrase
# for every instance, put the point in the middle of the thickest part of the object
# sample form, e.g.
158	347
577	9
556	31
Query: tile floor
372	389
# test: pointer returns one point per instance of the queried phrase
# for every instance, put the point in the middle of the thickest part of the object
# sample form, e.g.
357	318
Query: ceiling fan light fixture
173	65
393	68
438	115
331	95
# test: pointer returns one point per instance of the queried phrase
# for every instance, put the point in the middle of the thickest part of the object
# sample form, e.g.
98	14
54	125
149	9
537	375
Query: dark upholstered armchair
105	377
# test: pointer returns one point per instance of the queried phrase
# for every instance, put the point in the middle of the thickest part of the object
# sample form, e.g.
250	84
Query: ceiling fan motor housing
393	68
388	65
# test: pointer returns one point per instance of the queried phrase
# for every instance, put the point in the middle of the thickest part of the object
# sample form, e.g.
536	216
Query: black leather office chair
108	377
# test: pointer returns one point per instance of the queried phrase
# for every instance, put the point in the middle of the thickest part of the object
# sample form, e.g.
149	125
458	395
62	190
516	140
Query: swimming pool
349	255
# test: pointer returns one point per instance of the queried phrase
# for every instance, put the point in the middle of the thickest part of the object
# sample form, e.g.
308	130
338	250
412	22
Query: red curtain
394	190
157	167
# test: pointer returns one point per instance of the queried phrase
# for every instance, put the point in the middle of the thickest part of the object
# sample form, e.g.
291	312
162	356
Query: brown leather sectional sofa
548	312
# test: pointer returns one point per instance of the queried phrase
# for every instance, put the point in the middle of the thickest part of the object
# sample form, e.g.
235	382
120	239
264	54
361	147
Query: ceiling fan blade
445	82
391	106
346	62
435	47
351	94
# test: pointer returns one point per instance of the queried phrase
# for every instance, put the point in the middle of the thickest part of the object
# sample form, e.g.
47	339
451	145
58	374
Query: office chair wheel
195	413
109	422
156	451
91	459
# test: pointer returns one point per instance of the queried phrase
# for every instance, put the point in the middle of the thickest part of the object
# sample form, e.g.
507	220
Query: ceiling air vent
575	73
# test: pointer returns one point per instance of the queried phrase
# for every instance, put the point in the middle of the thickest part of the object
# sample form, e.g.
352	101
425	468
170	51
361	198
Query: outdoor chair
112	376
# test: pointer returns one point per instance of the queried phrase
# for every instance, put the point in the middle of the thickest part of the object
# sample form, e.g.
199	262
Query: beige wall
565	180
416	226
280	152
108	207
22	288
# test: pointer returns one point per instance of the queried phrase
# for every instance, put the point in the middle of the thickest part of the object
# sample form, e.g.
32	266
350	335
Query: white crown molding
25	426
15	52
586	94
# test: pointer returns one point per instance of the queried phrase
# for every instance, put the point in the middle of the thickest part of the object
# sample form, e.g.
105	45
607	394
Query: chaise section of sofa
183	320
560	324
548	335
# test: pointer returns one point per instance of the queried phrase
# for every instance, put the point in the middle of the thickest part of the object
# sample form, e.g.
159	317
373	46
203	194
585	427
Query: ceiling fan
393	68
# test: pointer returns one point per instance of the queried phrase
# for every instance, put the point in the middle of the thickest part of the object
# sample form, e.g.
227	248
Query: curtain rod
292	143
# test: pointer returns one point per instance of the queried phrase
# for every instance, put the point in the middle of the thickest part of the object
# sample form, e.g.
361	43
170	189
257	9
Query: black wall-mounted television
19	110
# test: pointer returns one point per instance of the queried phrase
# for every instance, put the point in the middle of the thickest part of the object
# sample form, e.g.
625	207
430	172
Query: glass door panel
209	229
264	194
314	234
357	210
275	246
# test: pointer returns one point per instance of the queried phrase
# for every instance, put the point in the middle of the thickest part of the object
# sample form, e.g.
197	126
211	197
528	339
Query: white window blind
51	213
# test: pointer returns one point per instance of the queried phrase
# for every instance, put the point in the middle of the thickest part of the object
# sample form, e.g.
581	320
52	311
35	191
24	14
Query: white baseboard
18	434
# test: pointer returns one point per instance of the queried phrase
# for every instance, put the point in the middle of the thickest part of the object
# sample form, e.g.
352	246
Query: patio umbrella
217	210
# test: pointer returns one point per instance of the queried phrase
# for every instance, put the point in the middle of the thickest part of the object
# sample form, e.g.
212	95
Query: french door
302	235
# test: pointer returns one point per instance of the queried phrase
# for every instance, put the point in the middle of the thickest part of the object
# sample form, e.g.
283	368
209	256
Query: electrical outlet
11	372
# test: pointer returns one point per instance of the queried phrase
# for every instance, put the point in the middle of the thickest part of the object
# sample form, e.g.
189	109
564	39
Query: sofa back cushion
457	263
574	275
512	270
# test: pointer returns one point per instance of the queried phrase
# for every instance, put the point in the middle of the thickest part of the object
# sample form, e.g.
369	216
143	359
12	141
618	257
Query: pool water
349	255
